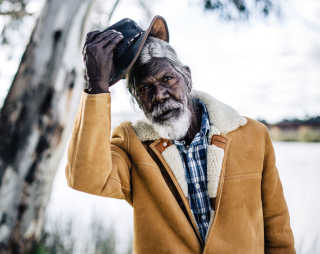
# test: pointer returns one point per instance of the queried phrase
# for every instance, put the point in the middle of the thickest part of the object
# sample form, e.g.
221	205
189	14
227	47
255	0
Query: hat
129	48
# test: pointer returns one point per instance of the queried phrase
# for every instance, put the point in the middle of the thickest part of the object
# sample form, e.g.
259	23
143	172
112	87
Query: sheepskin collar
223	118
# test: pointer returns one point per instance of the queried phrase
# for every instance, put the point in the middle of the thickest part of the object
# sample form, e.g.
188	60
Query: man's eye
166	78
144	87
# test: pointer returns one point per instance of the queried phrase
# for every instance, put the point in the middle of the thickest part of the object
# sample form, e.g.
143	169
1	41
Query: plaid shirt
194	158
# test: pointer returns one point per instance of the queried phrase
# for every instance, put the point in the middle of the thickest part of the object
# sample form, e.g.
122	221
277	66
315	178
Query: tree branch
16	14
114	7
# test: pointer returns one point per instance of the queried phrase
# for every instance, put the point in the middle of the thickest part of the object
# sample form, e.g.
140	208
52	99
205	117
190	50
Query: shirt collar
205	125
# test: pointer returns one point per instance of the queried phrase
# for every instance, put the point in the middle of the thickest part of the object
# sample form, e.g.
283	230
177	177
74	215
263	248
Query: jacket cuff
96	97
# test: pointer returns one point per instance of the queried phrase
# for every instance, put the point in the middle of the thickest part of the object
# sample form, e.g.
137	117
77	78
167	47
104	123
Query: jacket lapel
173	159
215	156
221	143
159	147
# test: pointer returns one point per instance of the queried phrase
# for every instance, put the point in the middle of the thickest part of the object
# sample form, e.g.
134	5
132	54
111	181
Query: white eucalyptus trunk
36	119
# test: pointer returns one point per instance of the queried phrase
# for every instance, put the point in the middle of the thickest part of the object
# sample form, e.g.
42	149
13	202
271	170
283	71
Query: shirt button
203	217
198	186
164	144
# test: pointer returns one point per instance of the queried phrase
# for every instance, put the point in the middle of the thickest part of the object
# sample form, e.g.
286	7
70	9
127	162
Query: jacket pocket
242	190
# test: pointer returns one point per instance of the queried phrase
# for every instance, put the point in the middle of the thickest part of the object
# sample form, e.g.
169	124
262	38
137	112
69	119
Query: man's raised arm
96	164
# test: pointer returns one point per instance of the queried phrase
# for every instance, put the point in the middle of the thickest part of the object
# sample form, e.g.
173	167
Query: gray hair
156	48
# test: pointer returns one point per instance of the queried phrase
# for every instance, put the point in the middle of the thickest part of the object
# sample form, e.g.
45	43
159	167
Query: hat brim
157	28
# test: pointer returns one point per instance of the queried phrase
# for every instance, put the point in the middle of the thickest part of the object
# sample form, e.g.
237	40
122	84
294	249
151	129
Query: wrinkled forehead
155	67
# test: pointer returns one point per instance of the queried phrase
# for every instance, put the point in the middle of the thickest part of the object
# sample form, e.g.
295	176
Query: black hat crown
129	48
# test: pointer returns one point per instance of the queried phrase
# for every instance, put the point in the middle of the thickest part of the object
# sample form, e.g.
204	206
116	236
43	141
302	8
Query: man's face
162	91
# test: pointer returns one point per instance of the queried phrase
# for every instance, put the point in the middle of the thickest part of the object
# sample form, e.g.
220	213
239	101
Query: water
299	168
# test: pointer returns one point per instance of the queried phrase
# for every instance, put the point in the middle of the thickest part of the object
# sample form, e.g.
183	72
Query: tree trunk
35	120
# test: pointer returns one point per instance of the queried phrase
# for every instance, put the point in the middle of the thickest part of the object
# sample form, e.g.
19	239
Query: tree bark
35	120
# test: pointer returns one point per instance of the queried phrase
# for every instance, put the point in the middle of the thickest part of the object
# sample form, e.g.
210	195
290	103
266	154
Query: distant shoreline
295	130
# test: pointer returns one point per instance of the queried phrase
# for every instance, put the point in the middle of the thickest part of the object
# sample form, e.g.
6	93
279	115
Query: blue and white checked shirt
194	158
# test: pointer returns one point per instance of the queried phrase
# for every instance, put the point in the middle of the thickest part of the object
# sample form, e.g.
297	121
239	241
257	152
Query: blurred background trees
241	9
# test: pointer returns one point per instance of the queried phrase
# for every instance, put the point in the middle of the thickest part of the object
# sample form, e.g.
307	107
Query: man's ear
187	68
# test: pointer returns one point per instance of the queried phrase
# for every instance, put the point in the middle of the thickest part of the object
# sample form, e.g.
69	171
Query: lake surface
299	168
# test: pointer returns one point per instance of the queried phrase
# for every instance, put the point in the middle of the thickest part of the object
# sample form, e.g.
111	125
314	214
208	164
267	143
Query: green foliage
59	239
308	120
62	238
105	238
313	121
39	249
226	9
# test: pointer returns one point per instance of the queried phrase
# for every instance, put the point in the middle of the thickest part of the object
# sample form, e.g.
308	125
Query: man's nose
161	93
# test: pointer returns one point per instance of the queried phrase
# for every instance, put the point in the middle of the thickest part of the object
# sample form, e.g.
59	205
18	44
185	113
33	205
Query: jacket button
164	144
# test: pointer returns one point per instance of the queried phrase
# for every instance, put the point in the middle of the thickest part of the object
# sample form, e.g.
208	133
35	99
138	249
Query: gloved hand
98	58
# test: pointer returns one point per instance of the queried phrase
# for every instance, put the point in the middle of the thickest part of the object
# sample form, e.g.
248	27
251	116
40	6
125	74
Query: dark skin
157	82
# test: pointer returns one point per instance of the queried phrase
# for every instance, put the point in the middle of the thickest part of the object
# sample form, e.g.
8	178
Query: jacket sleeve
278	234
97	164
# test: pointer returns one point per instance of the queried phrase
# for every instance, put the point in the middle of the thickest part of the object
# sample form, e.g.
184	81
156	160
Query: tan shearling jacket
250	213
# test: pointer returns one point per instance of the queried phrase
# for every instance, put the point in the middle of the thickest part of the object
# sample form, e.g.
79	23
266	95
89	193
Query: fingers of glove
114	42
90	59
103	40
106	35
91	35
106	45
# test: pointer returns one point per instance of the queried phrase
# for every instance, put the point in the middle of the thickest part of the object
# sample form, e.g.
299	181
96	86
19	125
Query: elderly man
200	177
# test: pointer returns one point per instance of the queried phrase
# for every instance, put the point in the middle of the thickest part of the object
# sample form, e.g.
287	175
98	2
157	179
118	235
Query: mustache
166	106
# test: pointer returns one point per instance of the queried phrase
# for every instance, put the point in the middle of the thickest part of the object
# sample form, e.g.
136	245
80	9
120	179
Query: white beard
174	128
